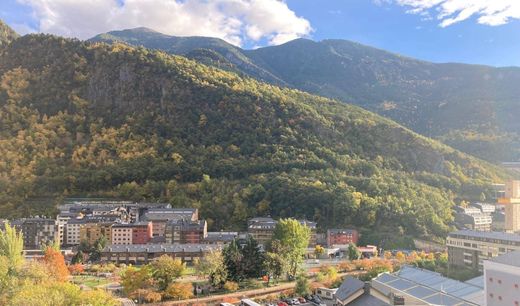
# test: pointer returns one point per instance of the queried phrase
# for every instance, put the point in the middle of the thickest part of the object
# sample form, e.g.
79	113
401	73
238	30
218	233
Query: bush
76	269
231	286
346	266
179	291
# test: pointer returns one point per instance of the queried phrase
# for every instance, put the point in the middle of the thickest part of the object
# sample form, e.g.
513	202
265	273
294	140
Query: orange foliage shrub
56	264
76	269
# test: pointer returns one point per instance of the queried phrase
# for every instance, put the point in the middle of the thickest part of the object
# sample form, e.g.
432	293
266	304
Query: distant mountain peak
143	29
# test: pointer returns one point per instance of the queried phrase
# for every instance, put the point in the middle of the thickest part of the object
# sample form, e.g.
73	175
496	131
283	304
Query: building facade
341	237
90	232
37	232
511	201
142	232
143	254
71	234
261	229
186	231
470	248
161	216
477	222
502	280
122	234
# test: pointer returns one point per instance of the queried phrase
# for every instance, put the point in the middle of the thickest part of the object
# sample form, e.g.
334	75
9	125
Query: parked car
295	301
282	303
301	300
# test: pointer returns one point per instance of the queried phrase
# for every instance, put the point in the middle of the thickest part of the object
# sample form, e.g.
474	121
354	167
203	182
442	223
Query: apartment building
36	232
261	229
91	231
143	254
186	231
72	233
485	208
477	222
122	234
469	249
502	280
61	222
341	237
160	216
511	201
142	232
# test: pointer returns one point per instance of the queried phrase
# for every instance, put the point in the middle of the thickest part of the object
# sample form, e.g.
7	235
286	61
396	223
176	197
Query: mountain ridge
471	107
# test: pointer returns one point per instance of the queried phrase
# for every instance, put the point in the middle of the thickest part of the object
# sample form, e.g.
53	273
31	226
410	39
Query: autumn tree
166	269
274	265
133	279
11	247
179	291
318	251
400	256
213	265
76	269
294	236
353	252
56	263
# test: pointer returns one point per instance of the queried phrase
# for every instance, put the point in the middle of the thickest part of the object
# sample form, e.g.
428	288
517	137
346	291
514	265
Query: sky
468	31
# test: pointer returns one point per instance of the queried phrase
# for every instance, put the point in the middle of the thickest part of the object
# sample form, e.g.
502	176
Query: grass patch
90	281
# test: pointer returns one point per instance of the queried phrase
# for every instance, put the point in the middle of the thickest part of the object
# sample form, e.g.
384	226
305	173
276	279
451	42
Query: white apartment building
502	280
72	231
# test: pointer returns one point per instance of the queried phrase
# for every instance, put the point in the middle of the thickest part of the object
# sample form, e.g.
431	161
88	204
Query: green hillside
6	34
471	107
111	120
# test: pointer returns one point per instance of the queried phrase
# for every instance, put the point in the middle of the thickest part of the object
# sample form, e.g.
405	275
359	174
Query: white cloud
235	21
448	12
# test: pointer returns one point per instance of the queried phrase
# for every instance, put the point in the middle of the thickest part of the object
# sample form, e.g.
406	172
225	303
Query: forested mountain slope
470	107
112	120
6	34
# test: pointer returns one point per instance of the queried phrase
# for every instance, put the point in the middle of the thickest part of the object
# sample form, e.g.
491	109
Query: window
500	281
491	295
491	279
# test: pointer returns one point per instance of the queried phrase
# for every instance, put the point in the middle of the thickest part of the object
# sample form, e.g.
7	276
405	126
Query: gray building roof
221	236
348	287
478	235
432	287
510	259
160	248
341	231
367	300
310	224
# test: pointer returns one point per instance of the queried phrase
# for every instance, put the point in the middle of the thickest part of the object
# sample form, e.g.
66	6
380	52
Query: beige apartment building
122	234
511	201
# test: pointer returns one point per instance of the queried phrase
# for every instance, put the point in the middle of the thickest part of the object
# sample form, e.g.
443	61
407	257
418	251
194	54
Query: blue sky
489	34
